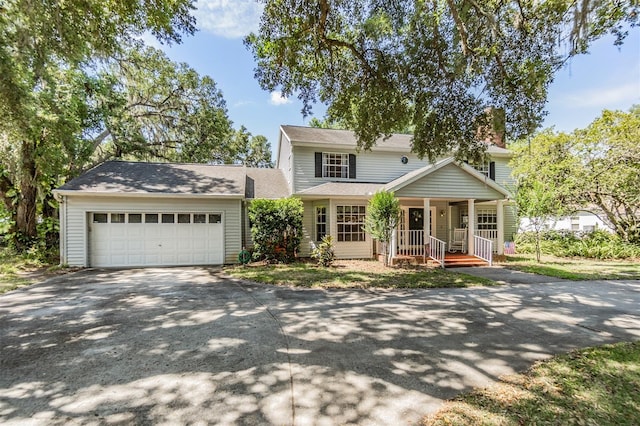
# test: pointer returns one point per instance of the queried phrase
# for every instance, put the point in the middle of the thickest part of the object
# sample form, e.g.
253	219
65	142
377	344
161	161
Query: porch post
500	220
427	216
472	225
425	225
394	244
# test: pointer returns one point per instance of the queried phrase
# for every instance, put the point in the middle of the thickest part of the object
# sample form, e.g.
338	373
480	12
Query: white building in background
578	222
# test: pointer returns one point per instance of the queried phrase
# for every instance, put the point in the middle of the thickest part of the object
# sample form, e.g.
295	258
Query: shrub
323	253
596	245
276	228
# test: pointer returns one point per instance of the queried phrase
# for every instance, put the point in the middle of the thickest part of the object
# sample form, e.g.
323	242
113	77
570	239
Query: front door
416	223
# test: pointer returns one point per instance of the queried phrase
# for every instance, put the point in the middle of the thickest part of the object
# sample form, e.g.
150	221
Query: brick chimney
493	131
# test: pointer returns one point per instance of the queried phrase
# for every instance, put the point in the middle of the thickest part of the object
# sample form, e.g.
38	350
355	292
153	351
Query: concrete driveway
188	346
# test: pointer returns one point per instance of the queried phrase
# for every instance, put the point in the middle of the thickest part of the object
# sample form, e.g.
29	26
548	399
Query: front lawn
354	274
593	386
575	268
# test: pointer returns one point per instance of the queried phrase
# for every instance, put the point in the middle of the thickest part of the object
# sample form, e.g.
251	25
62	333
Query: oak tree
433	66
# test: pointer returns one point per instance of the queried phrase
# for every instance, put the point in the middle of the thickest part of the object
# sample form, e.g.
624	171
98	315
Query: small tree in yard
383	214
276	228
539	204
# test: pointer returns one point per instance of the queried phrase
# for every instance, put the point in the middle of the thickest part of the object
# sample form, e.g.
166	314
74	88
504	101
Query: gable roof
411	177
318	137
177	179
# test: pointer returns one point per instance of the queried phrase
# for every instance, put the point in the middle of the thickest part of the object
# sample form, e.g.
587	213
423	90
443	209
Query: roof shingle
117	177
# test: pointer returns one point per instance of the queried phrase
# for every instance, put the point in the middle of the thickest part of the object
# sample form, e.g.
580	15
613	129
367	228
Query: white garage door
155	239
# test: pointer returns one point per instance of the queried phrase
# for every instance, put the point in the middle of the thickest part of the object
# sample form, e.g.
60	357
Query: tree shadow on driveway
186	345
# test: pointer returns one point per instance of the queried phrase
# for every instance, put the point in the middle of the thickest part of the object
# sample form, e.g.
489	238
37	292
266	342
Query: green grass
354	274
13	268
593	386
575	268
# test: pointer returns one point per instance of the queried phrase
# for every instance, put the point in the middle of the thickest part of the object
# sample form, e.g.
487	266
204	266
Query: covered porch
449	207
439	228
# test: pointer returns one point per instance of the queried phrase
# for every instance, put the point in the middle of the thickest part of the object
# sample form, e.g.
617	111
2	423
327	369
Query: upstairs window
482	168
488	168
334	165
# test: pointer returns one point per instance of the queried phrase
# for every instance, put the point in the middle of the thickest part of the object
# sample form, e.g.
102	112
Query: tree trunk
26	210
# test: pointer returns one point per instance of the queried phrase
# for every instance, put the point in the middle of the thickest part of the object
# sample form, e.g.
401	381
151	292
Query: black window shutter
352	166
492	170
318	164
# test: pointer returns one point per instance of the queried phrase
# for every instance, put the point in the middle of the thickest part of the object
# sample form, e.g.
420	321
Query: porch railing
483	249
410	243
436	250
489	234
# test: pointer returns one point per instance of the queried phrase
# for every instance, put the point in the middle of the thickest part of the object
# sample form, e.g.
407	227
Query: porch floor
451	260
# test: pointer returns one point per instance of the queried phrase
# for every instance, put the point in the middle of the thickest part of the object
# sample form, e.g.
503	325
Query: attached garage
130	214
121	239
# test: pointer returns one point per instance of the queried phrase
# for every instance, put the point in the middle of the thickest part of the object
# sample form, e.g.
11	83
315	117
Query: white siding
449	182
440	223
285	159
308	222
510	222
76	238
503	173
374	167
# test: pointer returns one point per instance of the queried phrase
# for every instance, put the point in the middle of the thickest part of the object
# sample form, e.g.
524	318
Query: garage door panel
155	244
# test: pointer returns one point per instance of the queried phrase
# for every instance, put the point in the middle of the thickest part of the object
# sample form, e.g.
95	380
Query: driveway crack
286	342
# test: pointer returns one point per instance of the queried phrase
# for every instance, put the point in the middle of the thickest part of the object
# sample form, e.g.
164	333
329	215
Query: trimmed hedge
595	245
276	228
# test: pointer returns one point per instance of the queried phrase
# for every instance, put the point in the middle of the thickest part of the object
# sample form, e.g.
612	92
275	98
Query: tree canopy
434	66
77	87
595	169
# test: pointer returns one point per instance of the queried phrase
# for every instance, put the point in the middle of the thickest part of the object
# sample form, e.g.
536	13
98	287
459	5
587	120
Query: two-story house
143	214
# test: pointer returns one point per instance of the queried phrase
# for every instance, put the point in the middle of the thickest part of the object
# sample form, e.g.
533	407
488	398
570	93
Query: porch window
487	220
350	221
321	223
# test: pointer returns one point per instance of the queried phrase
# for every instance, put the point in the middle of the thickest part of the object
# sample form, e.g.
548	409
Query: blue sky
607	78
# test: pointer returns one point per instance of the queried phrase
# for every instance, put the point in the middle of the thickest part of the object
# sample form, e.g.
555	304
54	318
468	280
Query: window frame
346	230
320	223
486	220
330	169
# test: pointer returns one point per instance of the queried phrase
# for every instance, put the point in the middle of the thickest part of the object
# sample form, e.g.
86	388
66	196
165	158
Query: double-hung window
482	168
335	165
487	220
350	223
321	223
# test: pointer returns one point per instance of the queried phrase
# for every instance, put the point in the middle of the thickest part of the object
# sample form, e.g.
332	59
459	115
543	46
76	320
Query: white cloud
228	18
278	99
604	97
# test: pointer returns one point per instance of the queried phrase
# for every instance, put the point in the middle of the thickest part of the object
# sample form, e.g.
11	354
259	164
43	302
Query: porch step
454	260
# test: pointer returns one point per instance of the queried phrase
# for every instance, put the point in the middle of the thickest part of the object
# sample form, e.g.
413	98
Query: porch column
472	225
393	249
427	218
500	220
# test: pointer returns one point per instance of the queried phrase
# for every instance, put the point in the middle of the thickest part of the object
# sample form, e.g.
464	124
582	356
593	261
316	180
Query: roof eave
67	192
